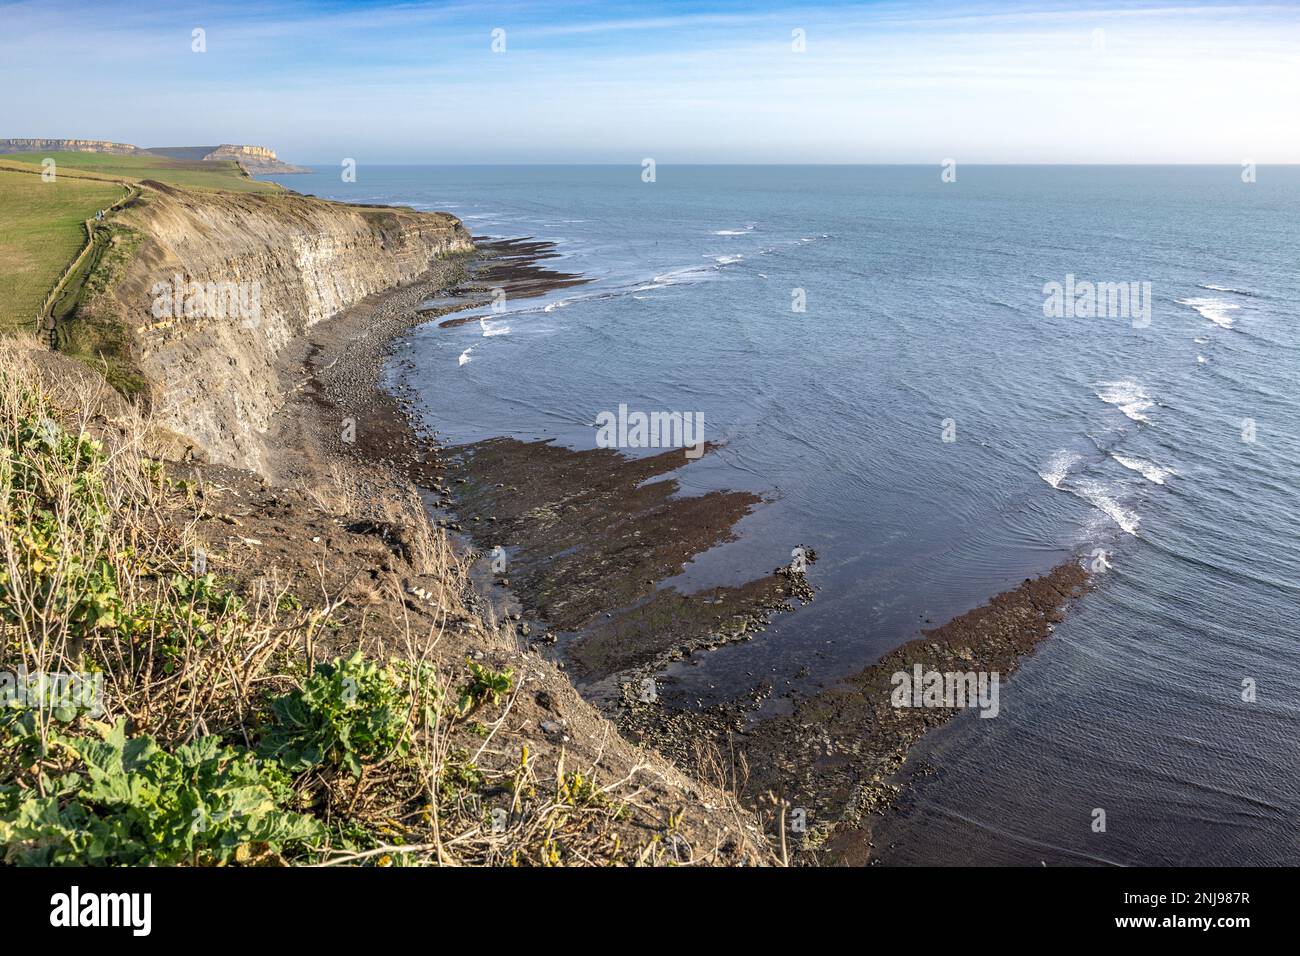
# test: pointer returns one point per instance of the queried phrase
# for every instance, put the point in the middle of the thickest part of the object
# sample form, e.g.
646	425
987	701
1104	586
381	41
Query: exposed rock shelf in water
835	755
590	537
512	265
591	534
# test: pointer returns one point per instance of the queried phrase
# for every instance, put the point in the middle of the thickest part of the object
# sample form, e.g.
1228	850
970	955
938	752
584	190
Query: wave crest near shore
1128	396
1056	470
1216	310
1156	474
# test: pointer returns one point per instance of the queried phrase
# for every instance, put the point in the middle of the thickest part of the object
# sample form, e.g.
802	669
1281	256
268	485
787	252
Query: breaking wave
1104	500
1216	310
1149	470
1055	471
1129	397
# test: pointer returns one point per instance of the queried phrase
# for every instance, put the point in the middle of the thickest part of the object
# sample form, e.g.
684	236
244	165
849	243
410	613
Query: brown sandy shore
590	537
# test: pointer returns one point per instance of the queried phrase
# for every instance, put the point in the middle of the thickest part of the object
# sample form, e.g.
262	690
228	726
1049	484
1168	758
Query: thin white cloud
878	83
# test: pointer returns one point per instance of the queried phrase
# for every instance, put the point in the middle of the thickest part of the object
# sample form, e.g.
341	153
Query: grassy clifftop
193	174
43	217
43	230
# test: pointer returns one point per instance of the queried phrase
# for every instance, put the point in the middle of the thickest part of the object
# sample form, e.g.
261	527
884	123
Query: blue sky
990	81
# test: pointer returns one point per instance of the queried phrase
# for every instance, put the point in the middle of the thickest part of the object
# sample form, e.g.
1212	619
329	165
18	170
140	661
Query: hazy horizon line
303	162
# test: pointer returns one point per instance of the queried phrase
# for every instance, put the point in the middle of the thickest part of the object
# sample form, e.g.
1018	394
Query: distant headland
255	160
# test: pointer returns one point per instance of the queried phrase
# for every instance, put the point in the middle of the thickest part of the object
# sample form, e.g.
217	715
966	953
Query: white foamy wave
1201	360
1216	310
1101	498
490	330
735	232
677	277
727	260
1129	397
1228	288
464	356
1058	467
1200	341
1147	469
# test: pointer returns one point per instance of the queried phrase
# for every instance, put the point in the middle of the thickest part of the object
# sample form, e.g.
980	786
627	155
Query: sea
906	364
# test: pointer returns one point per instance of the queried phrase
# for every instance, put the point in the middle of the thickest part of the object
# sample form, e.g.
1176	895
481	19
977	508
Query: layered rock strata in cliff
218	283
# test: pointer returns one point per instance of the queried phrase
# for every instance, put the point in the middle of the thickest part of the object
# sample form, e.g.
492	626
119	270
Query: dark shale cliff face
208	289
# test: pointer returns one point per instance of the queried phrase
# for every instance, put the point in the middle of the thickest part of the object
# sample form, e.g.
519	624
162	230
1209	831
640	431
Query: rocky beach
585	540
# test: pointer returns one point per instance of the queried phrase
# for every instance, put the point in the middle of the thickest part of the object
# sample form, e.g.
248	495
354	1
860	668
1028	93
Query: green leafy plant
126	801
51	485
204	594
485	685
348	714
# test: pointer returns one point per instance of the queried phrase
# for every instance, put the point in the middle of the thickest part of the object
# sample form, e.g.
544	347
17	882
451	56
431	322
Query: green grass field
41	231
41	228
192	174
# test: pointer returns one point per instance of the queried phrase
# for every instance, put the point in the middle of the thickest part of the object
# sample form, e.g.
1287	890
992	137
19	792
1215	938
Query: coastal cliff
205	290
338	568
255	160
21	145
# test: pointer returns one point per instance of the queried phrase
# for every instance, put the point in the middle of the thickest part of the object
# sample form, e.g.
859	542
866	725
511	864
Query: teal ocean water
1168	441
